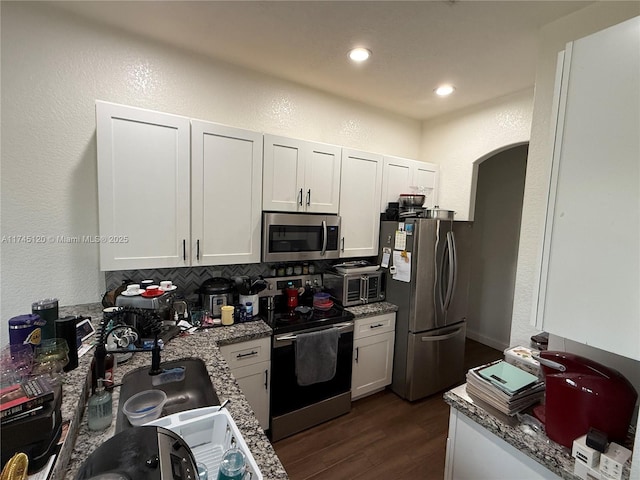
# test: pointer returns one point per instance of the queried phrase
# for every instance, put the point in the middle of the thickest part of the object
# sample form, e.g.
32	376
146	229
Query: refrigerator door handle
439	338
452	270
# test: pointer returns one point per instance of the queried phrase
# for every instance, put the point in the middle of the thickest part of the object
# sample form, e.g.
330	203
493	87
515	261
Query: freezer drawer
435	360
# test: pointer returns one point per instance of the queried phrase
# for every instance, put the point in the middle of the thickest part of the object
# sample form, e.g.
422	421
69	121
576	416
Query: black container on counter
66	329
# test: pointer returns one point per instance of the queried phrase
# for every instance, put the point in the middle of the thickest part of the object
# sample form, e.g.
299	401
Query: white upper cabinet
143	187
300	176
590	277
226	185
400	174
360	191
175	192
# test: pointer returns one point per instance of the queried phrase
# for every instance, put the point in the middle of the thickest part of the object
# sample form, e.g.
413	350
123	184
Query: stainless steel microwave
355	288
290	237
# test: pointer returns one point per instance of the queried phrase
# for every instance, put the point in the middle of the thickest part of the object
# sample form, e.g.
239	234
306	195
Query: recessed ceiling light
359	54
444	90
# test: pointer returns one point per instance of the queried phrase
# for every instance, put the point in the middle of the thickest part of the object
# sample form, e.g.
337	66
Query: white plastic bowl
144	406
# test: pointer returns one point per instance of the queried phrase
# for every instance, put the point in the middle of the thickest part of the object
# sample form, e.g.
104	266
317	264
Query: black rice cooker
216	292
141	453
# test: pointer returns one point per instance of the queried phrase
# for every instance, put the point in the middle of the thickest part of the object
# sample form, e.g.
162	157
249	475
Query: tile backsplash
189	279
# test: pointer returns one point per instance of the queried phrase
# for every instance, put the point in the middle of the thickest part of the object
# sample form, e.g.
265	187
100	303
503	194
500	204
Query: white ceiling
485	48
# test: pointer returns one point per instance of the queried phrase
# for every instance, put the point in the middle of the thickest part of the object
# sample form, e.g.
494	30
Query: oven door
287	396
291	237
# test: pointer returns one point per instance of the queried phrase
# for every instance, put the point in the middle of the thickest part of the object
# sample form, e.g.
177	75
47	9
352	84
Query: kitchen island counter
203	344
555	458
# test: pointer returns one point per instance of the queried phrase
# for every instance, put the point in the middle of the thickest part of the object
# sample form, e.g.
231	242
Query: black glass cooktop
284	320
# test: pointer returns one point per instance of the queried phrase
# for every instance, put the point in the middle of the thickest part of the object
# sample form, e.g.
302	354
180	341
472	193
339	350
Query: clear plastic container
145	406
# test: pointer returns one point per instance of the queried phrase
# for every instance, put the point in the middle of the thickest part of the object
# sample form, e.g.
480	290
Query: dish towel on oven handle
316	356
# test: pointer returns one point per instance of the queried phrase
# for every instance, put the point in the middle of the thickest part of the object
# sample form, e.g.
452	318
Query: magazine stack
504	387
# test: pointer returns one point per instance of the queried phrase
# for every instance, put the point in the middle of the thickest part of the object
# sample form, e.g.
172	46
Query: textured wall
54	67
459	140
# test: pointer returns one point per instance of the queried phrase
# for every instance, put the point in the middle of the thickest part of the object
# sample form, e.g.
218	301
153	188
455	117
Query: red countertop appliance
581	393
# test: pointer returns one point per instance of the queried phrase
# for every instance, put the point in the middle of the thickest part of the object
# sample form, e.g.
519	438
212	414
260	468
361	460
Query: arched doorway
497	212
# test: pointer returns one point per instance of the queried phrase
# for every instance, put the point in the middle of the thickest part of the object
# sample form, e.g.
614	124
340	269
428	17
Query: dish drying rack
209	432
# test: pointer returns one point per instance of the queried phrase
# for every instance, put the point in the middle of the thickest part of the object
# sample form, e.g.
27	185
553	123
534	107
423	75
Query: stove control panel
276	285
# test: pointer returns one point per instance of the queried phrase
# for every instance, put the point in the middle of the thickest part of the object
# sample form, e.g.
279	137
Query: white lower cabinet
474	453
373	340
250	363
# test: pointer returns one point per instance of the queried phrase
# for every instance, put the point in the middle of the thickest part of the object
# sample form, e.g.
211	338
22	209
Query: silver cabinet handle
308	197
357	353
377	325
266	379
300	198
184	250
198	249
250	354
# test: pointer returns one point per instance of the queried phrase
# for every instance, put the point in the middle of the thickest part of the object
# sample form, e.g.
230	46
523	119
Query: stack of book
30	420
25	399
504	387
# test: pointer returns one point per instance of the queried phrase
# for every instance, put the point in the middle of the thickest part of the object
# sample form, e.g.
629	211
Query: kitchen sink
185	381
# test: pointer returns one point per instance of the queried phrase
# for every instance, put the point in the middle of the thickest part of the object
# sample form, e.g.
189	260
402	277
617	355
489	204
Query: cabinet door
283	182
360	191
322	178
143	187
590	278
426	176
397	177
254	382
226	183
372	364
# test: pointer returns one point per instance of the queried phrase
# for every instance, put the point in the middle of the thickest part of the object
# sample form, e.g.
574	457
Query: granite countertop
523	437
81	442
372	309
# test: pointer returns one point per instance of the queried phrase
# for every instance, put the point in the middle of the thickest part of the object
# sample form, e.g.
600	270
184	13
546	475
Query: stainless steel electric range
294	407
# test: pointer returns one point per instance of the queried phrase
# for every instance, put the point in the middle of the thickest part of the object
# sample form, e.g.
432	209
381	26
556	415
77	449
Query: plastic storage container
145	406
210	432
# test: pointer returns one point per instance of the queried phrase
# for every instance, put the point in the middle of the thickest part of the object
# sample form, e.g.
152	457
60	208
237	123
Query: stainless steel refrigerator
430	324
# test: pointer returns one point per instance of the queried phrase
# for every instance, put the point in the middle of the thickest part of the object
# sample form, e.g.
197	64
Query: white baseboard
491	342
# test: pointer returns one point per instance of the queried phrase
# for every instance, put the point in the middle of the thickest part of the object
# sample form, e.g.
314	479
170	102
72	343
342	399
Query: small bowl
144	406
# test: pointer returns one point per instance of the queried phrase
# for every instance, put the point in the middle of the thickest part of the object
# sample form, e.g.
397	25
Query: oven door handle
340	326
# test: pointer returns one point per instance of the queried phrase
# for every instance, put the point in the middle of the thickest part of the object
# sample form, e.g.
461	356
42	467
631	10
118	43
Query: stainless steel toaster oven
355	288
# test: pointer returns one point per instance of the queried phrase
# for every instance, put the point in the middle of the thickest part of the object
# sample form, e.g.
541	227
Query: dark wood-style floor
383	437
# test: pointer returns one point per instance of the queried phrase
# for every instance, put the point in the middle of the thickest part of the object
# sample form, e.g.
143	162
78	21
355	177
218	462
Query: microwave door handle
324	237
364	288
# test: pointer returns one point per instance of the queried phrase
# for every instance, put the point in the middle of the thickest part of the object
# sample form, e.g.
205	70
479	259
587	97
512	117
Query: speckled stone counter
372	309
203	344
536	445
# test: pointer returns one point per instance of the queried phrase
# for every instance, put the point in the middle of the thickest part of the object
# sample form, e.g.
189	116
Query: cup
233	465
47	309
134	288
153	290
146	283
166	285
227	314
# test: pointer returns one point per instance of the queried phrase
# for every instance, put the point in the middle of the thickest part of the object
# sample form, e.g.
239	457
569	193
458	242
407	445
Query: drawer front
247	353
368	326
